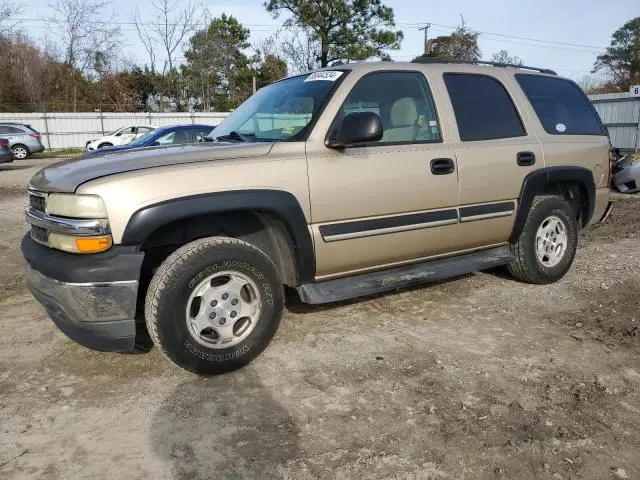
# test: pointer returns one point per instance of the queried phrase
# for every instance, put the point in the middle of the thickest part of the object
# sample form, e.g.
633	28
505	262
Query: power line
504	35
421	25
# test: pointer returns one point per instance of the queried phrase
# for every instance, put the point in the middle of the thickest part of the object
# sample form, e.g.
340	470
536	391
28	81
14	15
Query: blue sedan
171	135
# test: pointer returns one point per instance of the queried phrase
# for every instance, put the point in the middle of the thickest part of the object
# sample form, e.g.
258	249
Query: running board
400	277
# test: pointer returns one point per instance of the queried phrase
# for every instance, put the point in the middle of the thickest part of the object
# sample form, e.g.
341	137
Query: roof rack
429	59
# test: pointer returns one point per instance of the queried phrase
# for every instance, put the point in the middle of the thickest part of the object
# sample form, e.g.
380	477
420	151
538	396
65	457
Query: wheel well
262	229
576	194
20	145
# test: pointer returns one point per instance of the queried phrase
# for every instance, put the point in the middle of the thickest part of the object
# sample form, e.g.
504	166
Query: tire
535	264
20	152
105	145
171	310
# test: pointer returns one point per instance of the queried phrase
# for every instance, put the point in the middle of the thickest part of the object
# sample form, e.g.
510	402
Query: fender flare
536	183
280	203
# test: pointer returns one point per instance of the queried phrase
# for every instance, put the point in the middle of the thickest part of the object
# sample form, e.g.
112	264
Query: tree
461	45
345	29
88	46
8	11
216	62
270	69
622	57
84	39
169	28
502	56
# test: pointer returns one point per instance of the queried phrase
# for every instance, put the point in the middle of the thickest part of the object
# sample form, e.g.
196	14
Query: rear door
495	152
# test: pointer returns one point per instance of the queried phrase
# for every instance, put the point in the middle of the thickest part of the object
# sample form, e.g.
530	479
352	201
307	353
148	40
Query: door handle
526	159
442	166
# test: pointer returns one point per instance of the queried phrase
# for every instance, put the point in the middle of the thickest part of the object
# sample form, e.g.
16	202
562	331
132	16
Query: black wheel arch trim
283	204
535	184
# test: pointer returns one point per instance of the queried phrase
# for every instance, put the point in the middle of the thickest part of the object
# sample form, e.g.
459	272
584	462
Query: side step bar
399	277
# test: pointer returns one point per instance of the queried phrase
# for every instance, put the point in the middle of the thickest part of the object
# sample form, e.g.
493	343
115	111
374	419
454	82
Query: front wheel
547	245
214	305
105	145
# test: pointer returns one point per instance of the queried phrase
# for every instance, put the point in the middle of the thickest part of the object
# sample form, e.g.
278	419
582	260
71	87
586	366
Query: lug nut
233	314
222	321
234	301
225	296
212	315
214	303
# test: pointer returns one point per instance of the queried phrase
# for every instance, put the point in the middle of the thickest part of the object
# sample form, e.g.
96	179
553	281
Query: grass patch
59	152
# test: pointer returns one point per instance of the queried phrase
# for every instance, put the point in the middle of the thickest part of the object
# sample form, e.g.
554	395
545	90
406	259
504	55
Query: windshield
143	139
281	111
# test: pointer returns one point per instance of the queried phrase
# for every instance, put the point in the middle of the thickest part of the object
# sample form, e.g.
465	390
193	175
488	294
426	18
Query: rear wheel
547	246
214	305
20	152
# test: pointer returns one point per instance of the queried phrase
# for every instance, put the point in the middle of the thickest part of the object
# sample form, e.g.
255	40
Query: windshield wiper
233	135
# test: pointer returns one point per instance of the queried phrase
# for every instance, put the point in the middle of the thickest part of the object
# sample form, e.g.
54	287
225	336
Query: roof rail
429	59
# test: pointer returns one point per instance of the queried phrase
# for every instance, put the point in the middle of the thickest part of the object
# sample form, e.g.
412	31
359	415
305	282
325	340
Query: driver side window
403	102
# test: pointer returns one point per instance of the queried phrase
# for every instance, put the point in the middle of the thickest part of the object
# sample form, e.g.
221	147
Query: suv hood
67	176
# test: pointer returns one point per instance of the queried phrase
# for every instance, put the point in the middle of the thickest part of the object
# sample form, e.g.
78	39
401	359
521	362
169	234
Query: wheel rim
19	152
551	241
223	309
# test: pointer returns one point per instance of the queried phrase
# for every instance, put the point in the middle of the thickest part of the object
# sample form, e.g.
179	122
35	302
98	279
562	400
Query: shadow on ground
227	427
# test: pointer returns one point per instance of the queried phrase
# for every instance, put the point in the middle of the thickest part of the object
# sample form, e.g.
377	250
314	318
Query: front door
391	201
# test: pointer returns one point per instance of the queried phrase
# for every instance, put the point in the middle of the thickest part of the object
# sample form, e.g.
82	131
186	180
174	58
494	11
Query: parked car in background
23	139
122	136
170	135
6	155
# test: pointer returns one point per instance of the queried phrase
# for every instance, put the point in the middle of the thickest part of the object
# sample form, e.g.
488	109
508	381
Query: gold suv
343	182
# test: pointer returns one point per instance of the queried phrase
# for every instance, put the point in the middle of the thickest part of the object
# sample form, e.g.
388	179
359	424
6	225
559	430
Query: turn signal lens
93	244
69	243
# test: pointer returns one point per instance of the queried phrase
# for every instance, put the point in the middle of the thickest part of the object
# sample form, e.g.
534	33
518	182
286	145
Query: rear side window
560	105
483	108
7	129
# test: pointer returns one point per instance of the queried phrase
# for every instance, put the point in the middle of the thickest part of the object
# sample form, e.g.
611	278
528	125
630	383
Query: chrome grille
37	202
39	234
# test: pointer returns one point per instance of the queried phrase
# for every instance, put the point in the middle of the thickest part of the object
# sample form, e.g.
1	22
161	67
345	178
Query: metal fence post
46	127
101	120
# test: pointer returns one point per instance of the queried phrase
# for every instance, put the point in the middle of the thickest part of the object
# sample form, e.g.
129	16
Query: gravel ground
479	377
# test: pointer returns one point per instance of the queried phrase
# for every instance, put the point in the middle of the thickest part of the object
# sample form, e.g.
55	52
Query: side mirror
357	128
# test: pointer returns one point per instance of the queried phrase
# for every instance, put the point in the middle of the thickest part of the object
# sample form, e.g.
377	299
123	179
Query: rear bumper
6	157
98	314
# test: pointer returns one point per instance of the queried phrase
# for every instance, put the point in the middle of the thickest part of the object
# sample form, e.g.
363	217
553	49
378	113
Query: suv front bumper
91	298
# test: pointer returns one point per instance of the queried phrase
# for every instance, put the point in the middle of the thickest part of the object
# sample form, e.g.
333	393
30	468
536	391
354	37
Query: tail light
4	143
35	135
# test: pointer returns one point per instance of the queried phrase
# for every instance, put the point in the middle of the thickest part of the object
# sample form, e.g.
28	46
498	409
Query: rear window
483	108
563	109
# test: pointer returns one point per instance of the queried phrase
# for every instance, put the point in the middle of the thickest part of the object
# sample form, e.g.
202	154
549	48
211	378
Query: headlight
76	206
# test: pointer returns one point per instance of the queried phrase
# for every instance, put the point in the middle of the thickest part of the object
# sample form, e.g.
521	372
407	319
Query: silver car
23	139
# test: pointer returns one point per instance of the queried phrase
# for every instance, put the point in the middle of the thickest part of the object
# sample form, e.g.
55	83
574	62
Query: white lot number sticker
327	76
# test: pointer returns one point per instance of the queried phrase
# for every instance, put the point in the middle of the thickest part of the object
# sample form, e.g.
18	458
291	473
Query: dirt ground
480	377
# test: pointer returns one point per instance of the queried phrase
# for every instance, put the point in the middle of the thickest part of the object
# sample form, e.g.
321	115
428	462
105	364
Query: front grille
37	202
40	234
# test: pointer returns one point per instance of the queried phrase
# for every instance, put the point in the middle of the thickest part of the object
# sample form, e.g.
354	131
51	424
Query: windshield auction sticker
326	75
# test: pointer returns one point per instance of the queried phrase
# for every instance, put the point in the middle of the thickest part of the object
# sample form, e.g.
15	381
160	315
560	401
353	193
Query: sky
580	28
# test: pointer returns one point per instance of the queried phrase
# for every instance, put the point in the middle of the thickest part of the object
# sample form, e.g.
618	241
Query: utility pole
426	37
